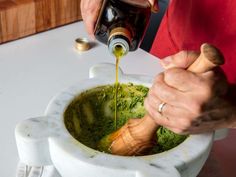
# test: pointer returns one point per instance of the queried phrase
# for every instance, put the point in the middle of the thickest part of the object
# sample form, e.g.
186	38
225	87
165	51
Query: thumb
182	59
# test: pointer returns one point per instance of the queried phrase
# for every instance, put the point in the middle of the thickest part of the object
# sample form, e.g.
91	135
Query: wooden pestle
137	135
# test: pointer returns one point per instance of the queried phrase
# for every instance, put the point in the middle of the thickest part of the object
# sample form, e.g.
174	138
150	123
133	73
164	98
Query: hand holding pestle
137	135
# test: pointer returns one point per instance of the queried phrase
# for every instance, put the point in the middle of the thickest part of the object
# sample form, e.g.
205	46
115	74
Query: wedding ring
160	107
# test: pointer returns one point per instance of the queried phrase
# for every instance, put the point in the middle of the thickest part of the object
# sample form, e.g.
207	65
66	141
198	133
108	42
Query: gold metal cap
120	31
82	44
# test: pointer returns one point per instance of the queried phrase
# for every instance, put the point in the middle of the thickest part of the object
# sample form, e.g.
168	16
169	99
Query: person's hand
195	103
90	11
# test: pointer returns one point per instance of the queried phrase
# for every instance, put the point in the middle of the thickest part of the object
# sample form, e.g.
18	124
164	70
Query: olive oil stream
118	52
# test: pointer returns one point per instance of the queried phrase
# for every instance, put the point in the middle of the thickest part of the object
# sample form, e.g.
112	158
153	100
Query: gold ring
160	107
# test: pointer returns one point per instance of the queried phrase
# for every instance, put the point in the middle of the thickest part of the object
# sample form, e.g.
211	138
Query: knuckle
149	94
146	105
152	94
159	78
170	73
174	76
153	113
163	93
151	91
169	96
151	101
183	54
185	124
210	74
183	60
207	92
150	109
196	108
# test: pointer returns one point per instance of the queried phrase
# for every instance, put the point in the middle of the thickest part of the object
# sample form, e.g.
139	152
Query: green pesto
90	116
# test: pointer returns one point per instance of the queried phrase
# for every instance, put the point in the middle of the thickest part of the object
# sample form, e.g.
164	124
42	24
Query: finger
89	22
155	115
180	118
183	59
160	118
166	93
168	110
190	104
182	80
175	123
90	10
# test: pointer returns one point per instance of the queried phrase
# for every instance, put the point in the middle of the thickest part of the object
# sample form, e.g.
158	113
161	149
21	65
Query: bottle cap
82	44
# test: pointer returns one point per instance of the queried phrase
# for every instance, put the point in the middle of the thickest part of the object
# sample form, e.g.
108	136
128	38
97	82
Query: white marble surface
34	69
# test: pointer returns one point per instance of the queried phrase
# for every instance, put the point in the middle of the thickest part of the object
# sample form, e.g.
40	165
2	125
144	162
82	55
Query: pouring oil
118	52
121	25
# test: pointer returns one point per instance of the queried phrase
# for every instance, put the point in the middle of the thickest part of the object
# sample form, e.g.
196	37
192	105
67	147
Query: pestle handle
137	135
209	58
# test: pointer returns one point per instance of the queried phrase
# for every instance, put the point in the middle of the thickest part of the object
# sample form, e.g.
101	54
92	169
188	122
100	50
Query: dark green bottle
121	24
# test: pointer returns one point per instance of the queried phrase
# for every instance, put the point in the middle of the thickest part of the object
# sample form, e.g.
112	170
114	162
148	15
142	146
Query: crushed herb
90	116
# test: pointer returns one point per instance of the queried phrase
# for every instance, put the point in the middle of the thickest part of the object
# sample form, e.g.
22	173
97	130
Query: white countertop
34	69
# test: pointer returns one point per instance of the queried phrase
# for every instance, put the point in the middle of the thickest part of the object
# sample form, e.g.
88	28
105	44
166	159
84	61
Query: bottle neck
119	41
118	46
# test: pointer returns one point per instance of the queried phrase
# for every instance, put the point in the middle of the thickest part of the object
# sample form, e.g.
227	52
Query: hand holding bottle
90	10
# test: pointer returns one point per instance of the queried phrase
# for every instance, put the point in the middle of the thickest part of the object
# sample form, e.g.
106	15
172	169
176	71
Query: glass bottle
121	24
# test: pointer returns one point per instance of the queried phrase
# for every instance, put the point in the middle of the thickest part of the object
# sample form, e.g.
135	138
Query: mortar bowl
46	140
